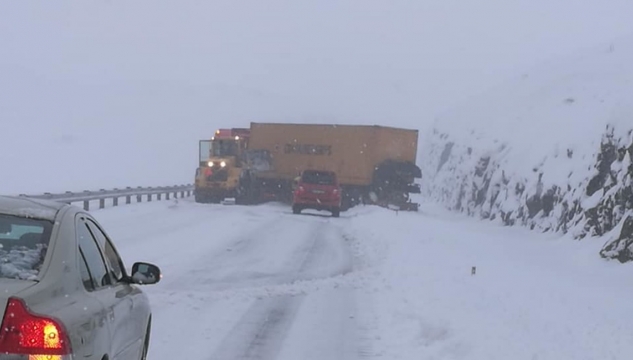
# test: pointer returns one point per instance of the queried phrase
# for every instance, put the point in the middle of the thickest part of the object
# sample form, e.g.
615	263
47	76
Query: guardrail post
139	198
101	203
159	196
149	197
128	199
167	195
87	205
115	199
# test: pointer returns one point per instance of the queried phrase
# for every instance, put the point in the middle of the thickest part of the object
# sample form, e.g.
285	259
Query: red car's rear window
318	178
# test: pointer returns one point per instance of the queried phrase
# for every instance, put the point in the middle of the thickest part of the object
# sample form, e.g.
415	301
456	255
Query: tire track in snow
218	257
325	236
190	262
219	261
275	253
260	333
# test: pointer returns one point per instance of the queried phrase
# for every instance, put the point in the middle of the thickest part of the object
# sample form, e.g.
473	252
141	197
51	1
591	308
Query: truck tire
296	210
336	212
200	199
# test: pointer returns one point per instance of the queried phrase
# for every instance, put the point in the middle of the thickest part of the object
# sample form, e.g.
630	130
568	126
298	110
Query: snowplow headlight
223	164
210	164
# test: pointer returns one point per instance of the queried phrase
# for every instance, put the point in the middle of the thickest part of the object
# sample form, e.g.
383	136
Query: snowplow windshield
217	148
224	147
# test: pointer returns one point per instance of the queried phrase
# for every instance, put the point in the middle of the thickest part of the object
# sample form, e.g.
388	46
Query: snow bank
551	151
534	296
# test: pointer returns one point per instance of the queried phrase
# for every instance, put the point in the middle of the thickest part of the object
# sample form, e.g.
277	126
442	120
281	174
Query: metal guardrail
114	195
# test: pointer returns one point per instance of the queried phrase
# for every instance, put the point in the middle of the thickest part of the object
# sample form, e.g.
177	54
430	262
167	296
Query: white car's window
93	256
86	277
23	246
113	260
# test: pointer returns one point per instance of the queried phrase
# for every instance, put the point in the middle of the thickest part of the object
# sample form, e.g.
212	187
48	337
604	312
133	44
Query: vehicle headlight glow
222	164
210	163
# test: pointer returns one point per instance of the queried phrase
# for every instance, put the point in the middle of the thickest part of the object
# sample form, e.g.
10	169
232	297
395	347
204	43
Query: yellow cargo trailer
373	163
352	151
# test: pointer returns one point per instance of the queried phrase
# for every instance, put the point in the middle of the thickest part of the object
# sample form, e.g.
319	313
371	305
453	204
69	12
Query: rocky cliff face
594	199
550	150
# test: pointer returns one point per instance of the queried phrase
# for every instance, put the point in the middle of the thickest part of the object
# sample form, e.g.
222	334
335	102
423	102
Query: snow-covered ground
551	150
260	283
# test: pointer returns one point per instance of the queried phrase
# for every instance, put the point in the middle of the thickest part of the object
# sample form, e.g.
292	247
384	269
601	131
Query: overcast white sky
115	93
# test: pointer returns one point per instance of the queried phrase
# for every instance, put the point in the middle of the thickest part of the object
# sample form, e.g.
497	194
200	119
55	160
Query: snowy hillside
551	151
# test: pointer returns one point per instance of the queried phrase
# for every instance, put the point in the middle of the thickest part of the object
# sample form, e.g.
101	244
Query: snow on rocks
551	151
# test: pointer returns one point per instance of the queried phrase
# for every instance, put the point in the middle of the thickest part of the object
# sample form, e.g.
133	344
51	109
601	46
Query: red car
318	190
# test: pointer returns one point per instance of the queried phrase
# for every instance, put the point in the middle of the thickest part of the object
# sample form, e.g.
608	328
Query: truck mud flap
229	201
410	207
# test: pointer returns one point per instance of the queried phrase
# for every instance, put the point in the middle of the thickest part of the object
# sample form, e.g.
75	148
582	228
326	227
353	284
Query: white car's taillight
36	336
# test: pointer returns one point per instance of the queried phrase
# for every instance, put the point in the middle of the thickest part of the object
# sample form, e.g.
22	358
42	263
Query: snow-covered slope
551	150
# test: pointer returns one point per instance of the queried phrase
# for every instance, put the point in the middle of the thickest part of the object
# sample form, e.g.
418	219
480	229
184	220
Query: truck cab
220	165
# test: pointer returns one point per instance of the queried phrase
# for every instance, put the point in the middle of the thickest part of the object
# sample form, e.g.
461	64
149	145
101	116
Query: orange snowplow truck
220	165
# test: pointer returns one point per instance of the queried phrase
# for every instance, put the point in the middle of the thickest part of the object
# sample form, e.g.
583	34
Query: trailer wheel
296	210
336	212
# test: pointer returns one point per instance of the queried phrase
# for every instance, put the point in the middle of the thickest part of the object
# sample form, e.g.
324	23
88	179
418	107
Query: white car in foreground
64	290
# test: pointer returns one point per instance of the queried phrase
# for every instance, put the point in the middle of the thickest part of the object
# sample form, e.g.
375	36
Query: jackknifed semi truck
374	164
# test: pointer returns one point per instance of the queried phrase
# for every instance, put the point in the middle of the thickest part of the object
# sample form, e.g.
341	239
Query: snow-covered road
261	283
240	279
